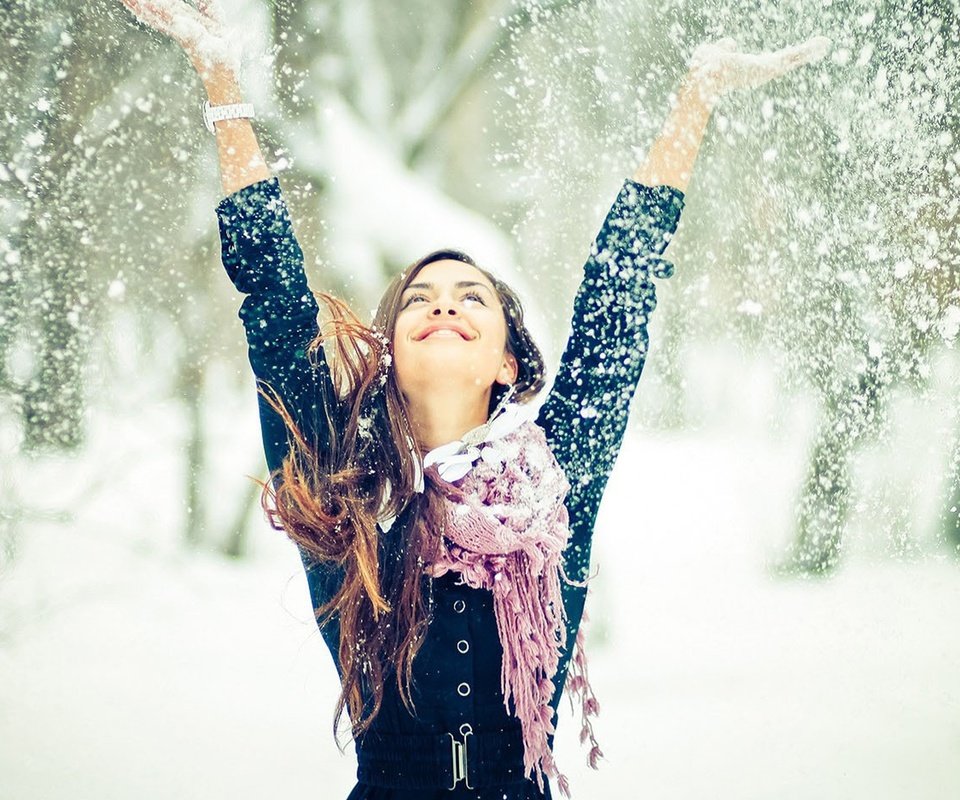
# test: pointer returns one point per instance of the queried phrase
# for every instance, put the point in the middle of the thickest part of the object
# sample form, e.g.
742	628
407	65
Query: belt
441	760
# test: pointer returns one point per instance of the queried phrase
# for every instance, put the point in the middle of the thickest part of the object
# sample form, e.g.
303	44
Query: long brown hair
329	493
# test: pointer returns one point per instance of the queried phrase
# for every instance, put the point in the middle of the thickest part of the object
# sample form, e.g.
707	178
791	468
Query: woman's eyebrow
457	285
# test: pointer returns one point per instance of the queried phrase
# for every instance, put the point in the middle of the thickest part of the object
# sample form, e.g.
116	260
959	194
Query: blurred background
778	546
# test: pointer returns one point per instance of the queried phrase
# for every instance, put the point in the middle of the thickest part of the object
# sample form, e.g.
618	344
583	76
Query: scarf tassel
579	682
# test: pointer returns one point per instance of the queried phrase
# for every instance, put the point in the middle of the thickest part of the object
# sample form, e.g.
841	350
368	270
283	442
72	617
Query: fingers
168	18
135	8
808	52
726	43
757	69
148	14
816	48
212	10
198	30
197	33
719	67
177	19
133	5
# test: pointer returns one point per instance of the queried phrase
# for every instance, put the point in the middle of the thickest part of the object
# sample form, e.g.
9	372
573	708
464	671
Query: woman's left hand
718	67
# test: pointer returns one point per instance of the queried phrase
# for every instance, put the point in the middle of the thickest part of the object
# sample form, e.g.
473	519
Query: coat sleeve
586	411
263	259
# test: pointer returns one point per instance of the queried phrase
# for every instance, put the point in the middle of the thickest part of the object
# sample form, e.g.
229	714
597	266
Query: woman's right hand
199	31
719	67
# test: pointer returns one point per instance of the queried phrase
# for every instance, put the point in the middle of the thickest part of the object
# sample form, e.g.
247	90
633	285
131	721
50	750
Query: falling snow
786	400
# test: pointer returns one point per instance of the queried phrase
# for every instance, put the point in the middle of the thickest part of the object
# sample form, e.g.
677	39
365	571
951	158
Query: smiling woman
415	467
445	528
450	349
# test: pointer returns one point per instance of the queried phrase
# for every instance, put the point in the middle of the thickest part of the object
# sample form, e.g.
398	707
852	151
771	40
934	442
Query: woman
445	529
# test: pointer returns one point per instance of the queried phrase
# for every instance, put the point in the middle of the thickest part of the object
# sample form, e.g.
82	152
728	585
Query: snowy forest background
777	549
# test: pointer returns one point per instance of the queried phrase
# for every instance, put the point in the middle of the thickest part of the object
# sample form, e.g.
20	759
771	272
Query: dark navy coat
457	671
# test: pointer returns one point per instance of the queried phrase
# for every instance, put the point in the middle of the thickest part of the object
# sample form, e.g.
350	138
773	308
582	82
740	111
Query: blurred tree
49	294
897	273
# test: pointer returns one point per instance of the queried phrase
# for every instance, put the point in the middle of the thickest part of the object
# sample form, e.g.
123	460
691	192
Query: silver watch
213	114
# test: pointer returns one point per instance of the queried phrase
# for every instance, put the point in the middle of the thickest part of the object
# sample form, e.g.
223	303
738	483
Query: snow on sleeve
262	257
586	412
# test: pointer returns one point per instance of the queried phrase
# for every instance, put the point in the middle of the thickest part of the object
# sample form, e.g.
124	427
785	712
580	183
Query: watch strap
212	114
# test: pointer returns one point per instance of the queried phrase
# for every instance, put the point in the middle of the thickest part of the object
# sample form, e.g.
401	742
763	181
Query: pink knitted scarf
506	527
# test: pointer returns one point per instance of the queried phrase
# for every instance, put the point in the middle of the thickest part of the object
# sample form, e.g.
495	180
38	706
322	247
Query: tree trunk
191	392
52	240
238	535
53	397
825	500
951	513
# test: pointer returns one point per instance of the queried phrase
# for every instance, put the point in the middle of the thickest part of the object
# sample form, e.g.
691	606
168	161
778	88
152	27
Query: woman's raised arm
585	413
201	34
259	248
715	68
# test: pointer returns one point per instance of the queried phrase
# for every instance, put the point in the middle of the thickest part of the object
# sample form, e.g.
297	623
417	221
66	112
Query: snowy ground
128	670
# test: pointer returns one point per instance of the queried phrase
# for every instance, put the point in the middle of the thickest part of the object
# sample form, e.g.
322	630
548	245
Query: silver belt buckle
458	751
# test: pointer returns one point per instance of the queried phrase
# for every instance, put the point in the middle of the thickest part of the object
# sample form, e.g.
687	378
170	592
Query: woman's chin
447	375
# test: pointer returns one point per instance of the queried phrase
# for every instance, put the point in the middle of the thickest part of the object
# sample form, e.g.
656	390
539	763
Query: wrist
221	85
704	87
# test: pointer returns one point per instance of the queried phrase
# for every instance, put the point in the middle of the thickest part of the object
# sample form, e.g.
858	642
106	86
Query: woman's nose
440	307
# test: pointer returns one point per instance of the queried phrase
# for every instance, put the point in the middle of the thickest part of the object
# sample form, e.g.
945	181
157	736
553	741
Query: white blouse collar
455	459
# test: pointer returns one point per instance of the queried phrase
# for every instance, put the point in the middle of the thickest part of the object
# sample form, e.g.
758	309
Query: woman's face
450	332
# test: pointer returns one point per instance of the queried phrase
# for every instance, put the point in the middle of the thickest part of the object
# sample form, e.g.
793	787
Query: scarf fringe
579	681
505	530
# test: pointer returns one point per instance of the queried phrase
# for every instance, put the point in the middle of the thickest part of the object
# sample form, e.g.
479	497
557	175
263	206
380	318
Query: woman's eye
469	296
